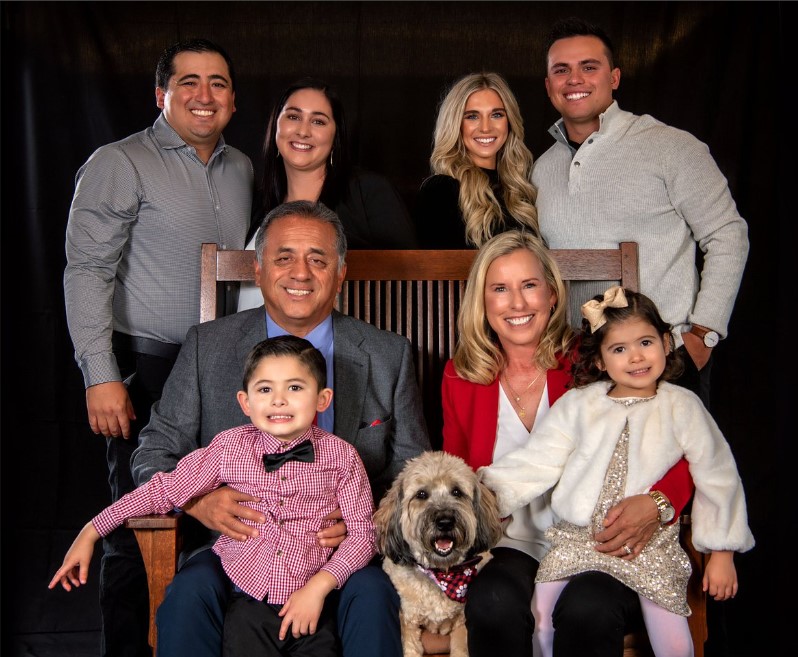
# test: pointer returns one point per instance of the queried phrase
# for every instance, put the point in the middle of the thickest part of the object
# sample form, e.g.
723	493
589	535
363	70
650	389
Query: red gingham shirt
295	498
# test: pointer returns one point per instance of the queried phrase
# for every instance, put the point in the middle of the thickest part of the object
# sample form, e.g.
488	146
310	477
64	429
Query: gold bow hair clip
593	311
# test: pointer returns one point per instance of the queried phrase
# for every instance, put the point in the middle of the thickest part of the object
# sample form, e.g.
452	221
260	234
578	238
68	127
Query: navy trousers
191	618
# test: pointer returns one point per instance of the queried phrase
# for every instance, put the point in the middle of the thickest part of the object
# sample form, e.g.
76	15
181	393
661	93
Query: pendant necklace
516	396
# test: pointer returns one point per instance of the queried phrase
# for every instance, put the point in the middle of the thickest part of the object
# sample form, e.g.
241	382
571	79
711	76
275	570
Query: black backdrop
78	75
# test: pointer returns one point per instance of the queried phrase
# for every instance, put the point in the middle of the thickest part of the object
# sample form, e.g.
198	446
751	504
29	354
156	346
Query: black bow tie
302	452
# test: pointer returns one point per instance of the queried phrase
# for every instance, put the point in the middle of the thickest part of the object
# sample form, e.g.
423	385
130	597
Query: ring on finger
627	549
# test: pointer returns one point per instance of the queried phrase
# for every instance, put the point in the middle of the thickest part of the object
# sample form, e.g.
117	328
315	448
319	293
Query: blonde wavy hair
478	204
478	356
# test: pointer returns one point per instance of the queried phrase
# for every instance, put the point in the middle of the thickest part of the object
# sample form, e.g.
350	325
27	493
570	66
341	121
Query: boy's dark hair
585	367
571	27
165	68
287	345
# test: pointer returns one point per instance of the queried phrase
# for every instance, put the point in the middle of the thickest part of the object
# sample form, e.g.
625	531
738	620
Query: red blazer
471	411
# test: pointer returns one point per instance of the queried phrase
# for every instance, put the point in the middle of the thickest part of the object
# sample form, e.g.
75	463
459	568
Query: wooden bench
416	294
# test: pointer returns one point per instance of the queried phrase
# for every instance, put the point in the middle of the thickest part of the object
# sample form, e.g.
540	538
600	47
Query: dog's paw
446	627
411	642
458	646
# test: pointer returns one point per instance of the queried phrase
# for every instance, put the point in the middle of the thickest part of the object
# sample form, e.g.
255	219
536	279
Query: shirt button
283	478
577	164
589	141
280	502
279	553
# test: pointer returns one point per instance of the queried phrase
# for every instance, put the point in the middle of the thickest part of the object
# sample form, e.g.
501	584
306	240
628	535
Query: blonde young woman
512	362
481	168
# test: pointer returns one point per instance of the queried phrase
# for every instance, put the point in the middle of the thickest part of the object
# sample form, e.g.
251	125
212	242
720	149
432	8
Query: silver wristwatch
664	508
710	337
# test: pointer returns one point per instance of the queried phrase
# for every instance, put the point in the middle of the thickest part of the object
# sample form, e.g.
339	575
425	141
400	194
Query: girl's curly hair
585	368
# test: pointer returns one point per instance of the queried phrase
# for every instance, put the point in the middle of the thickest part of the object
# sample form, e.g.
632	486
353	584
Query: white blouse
524	531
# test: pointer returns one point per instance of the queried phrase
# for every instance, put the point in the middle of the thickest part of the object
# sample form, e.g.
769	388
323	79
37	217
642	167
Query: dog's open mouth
443	546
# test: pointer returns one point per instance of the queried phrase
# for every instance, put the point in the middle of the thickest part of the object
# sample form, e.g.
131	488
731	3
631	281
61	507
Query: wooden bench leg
159	541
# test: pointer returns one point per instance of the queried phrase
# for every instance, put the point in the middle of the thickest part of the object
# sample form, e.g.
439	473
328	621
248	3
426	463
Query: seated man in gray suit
300	250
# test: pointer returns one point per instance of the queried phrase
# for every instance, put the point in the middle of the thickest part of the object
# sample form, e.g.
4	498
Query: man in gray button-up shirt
142	208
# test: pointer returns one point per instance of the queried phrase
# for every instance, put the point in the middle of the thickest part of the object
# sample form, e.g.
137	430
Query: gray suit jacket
374	378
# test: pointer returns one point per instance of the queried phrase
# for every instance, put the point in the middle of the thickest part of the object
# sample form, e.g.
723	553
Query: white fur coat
571	447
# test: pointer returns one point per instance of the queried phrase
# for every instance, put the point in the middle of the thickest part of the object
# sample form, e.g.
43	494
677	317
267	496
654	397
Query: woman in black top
306	157
481	168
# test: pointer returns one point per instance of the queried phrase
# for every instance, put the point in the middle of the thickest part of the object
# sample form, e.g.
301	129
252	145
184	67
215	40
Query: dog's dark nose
445	523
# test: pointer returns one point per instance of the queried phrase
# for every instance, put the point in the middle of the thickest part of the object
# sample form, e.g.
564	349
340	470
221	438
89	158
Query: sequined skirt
659	573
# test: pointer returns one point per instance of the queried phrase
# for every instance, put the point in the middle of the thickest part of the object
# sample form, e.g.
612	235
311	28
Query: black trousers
124	595
694	379
591	617
498	610
252	627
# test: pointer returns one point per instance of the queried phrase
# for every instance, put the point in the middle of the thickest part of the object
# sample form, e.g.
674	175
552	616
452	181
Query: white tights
668	633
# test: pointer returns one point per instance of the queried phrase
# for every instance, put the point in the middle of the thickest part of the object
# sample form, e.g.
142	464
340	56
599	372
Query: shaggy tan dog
435	527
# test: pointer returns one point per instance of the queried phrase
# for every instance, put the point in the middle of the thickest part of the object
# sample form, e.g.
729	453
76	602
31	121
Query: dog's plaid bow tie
454	582
302	452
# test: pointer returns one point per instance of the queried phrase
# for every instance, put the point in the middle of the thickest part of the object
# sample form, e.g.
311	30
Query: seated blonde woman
512	362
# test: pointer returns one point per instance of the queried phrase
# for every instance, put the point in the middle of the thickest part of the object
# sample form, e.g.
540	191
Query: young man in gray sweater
614	176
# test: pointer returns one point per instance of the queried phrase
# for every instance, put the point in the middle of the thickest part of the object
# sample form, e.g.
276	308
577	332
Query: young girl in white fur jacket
622	426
